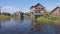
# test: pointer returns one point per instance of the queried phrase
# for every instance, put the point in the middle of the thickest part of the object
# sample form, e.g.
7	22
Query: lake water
16	26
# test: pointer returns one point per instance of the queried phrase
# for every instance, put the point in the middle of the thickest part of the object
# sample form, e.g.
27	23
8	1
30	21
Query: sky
12	6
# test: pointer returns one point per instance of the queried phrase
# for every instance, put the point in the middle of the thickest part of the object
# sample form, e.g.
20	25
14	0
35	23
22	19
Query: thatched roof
38	4
32	7
54	9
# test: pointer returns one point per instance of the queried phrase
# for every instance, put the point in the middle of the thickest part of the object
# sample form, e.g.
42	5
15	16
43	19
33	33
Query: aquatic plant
27	16
50	20
42	19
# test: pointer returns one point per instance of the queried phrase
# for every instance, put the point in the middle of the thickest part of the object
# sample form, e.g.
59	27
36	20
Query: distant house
37	11
18	14
6	14
55	12
26	14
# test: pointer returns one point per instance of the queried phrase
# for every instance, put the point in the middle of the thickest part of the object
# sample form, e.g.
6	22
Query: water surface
17	26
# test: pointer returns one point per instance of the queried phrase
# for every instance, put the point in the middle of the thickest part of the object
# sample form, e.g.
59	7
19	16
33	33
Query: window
32	12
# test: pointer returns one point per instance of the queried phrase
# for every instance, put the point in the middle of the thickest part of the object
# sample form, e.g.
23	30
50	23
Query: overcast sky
24	5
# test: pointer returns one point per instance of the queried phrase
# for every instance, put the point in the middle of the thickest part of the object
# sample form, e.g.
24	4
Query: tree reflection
0	24
36	26
57	27
22	16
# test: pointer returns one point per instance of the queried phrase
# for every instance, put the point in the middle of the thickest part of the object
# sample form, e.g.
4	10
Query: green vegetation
51	20
26	16
2	17
47	19
55	21
43	20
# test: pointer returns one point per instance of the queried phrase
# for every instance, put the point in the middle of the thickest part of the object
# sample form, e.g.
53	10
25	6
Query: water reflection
36	26
19	20
0	24
25	26
47	28
57	27
22	16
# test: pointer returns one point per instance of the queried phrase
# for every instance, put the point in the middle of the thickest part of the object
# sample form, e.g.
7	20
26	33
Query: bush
42	19
51	20
26	16
5	17
55	19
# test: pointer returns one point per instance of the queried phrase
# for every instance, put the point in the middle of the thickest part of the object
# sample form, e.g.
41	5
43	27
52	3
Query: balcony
38	13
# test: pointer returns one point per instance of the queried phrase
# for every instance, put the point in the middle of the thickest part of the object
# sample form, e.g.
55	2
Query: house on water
37	11
55	12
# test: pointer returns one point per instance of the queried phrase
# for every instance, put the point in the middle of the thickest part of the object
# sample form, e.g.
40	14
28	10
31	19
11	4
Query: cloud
9	9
